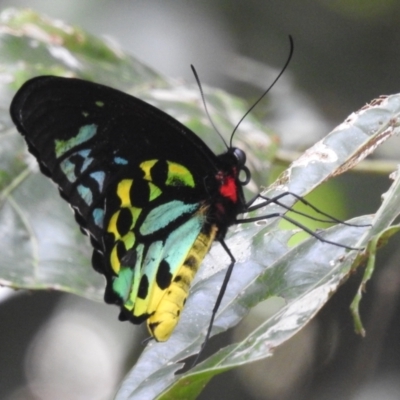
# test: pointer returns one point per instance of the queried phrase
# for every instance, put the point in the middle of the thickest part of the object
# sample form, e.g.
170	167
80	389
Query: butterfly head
240	160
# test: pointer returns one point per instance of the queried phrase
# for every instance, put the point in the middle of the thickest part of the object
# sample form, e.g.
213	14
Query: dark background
346	54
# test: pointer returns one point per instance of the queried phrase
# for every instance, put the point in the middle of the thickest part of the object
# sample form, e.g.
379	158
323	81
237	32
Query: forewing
87	137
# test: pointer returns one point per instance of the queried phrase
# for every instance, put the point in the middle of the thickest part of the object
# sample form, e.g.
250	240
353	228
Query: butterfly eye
240	156
247	175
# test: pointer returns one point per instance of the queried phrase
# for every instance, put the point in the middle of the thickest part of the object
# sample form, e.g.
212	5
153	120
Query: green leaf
381	232
304	277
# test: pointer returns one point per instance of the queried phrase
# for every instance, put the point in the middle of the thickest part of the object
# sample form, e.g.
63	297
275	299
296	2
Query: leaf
304	277
381	232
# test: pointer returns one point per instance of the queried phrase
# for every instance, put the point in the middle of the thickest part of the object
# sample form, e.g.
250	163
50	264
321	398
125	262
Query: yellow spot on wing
123	192
112	225
129	241
115	263
179	175
146	166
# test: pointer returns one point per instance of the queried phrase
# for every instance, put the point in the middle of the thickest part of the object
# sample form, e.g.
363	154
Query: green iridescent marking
123	282
152	261
180	241
164	214
85	133
135	212
129	240
130	302
178	175
99	103
155	191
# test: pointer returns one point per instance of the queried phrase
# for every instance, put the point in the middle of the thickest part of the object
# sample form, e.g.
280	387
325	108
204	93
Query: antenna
205	105
252	107
270	87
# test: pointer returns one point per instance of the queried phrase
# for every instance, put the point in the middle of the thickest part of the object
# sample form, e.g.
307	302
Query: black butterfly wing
87	136
150	193
139	182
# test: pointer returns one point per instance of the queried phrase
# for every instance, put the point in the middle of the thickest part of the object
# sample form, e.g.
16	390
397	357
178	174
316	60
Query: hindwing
149	241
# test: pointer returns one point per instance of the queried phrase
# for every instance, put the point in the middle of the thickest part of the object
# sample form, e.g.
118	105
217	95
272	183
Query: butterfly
149	193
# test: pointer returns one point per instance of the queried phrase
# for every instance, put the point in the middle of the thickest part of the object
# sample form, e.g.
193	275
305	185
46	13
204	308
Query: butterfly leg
275	200
295	223
219	298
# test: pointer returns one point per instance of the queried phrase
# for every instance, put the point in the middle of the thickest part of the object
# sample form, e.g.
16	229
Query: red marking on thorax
228	188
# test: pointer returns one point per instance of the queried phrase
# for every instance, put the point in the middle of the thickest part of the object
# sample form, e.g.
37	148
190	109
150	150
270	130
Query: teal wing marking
85	133
163	215
180	241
